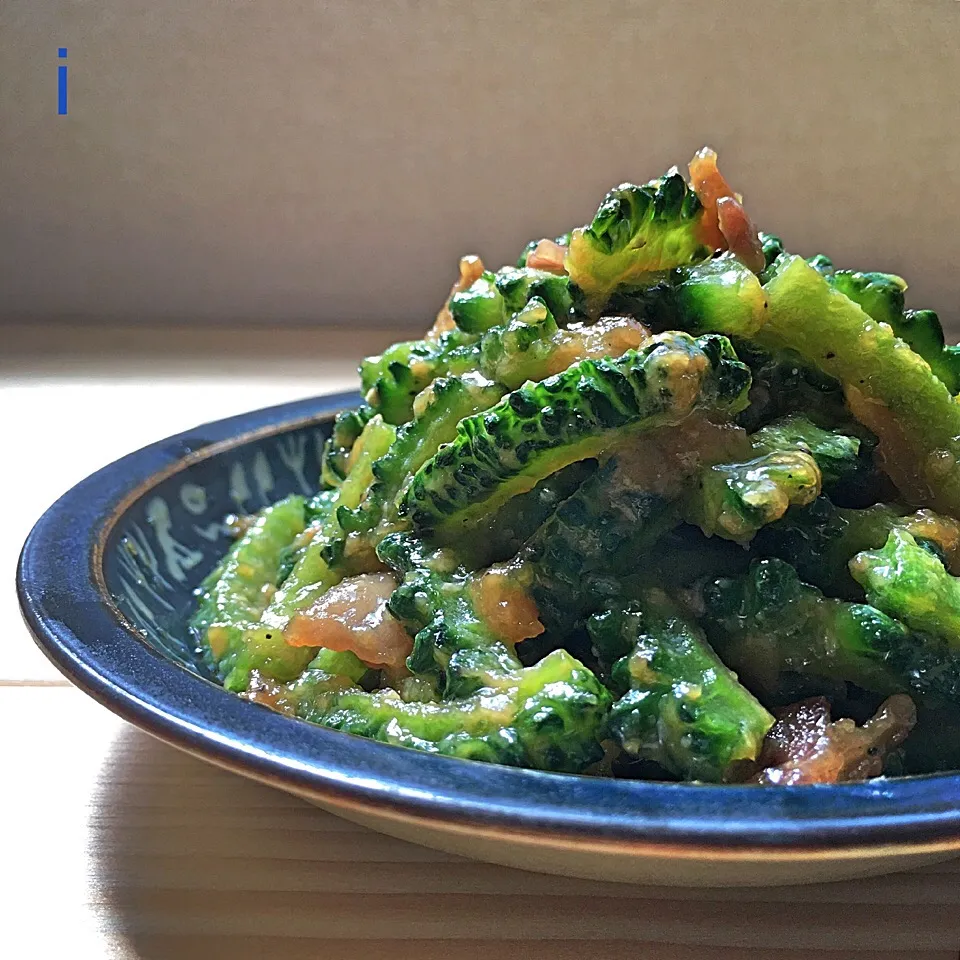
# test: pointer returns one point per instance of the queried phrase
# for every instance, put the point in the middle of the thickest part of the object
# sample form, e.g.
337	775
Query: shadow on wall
194	863
330	162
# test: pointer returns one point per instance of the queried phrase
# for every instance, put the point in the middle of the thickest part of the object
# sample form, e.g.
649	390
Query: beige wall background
328	162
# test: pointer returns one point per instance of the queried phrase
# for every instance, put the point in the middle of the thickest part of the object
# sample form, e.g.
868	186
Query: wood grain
147	852
117	846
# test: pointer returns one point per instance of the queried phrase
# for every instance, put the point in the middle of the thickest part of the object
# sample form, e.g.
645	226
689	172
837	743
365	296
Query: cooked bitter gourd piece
795	460
820	540
602	533
734	500
550	716
347	427
679	705
718	295
533	347
392	380
636	232
447	610
881	296
540	428
909	581
261	644
503	533
837	455
461	620
234	600
783	383
890	388
438	410
494	298
768	621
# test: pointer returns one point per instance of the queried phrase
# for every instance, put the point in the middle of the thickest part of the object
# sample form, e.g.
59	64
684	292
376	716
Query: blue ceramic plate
106	581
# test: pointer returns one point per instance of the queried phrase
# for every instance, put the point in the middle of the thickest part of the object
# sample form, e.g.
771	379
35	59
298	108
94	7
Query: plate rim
65	602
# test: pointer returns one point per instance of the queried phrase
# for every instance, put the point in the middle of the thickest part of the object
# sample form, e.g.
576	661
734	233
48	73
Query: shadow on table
194	862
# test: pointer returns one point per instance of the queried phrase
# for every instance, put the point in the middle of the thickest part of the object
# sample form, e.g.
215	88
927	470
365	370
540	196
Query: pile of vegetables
662	500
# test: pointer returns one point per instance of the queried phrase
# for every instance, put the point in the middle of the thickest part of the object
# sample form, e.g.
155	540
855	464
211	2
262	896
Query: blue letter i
62	83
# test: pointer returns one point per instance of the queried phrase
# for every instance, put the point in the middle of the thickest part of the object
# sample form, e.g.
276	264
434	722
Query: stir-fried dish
662	500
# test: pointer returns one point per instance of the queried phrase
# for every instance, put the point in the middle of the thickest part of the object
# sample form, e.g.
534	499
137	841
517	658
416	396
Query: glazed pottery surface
106	583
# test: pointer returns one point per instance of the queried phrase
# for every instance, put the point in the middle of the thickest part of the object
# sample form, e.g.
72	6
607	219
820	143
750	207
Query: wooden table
118	846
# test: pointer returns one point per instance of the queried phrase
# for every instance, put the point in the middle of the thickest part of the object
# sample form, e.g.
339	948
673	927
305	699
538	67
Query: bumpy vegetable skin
441	407
658	449
888	386
593	540
518	350
550	716
317	512
722	295
347	427
679	705
891	389
921	329
437	602
783	384
637	232
734	500
878	294
392	380
772	247
320	563
578	556
822	539
235	599
881	295
837	455
500	536
911	583
541	428
495	298
719	295
794	460
533	347
768	621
